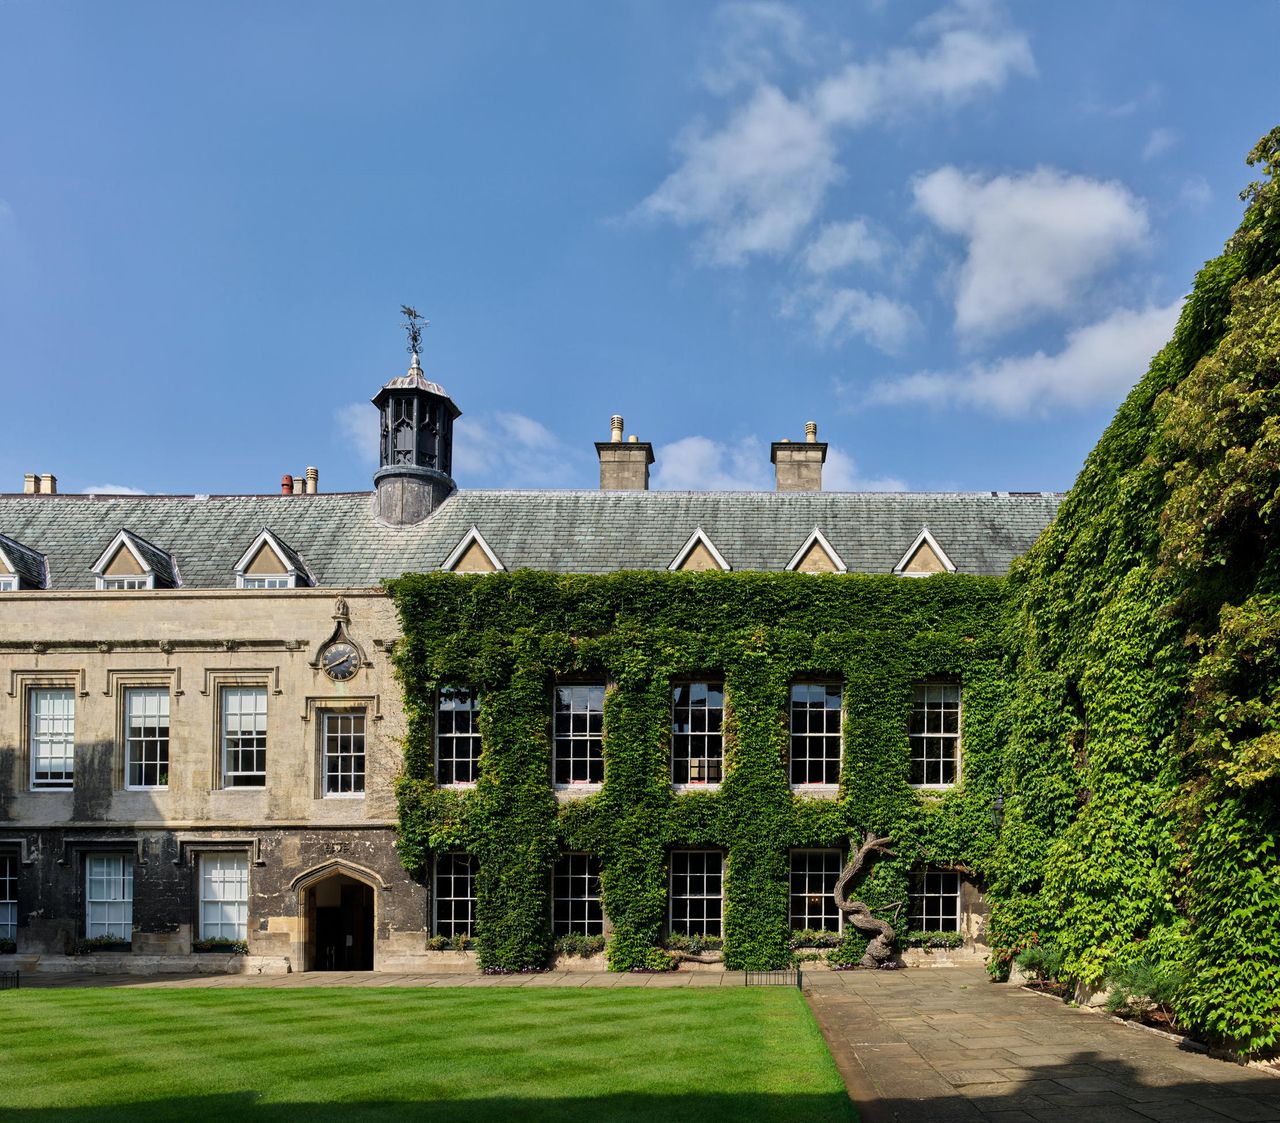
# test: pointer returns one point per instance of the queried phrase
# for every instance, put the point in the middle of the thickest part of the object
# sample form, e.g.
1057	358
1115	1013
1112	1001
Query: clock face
340	661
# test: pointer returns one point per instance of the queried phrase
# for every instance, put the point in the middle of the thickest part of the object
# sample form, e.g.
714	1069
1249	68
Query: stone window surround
339	707
119	682
314	707
21	683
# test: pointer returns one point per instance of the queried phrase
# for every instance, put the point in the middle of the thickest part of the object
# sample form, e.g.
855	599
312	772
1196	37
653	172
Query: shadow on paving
1089	1088
694	1107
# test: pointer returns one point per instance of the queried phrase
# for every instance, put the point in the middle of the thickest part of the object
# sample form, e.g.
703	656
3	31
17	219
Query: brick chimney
799	466
624	465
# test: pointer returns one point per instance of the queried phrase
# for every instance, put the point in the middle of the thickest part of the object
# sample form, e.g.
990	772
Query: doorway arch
337	916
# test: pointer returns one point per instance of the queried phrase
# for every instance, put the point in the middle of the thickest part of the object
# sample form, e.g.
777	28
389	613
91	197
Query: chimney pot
30	484
48	484
286	484
811	432
313	480
299	483
633	439
615	428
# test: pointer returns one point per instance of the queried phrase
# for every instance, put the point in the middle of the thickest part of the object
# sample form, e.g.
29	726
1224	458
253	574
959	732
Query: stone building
200	727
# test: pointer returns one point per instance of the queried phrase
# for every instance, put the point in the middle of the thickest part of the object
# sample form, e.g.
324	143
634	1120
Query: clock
340	660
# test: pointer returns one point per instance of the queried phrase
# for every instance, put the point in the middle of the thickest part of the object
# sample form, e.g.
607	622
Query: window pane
146	738
458	736
224	896
935	901
455	895
244	736
697	892
575	893
816	716
813	882
8	897
109	896
344	753
697	745
52	721
934	734
579	729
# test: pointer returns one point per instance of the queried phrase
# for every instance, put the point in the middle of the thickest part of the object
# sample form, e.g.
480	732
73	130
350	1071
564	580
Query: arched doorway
336	906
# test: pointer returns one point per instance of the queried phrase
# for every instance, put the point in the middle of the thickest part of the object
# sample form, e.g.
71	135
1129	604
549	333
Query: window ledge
567	792
135	788
816	791
681	789
457	785
932	788
343	795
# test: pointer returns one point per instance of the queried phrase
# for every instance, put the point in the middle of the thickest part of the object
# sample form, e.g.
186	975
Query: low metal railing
789	977
9	980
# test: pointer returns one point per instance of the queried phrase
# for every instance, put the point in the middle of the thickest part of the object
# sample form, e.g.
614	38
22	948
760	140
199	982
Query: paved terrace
920	1046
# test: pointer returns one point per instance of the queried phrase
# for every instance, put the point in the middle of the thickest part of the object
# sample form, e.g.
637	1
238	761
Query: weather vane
413	324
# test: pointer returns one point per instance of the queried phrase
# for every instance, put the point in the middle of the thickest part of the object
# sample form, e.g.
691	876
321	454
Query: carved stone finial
340	610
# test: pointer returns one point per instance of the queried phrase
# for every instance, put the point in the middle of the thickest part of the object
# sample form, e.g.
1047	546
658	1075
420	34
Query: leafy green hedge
513	635
1143	765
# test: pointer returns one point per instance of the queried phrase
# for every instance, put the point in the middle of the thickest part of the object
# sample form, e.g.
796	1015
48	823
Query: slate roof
27	563
560	531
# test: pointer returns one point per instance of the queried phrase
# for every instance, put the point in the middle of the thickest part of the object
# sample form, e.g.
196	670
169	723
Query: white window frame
219	892
453	738
229	777
326	775
673	873
66	738
819	735
924	888
581	872
8	582
121	906
923	738
690	735
467	928
127	583
571	740
8	896
258	581
145	693
807	855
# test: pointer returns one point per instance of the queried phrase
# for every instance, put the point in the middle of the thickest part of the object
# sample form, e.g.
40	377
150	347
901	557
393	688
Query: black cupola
415	447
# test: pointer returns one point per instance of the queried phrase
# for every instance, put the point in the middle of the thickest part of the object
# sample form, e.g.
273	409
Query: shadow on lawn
246	1107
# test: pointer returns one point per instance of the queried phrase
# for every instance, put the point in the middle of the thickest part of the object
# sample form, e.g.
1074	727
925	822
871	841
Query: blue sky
953	235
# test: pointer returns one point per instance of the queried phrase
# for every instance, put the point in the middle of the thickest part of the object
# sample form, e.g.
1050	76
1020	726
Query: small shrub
813	938
1043	962
447	943
222	944
576	943
947	940
98	943
1145	984
850	950
8	947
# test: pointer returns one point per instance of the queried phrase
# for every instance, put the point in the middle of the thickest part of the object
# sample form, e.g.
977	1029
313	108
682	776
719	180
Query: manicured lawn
457	1054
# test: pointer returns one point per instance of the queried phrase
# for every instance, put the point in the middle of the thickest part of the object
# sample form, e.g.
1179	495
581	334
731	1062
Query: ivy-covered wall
1143	762
512	636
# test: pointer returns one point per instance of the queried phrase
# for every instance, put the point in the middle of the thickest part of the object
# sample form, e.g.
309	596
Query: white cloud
840	244
1195	193
358	425
505	449
1158	143
1034	241
752	185
113	489
841	314
702	464
754	39
1099	363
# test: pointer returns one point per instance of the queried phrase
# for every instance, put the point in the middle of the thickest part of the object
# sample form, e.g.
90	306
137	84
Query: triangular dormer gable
269	563
131	562
21	567
473	555
924	557
817	555
699	554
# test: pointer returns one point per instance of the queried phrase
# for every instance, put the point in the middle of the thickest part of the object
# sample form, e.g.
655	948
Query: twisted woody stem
858	913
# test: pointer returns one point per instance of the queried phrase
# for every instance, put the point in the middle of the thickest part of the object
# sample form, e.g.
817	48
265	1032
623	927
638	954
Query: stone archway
337	916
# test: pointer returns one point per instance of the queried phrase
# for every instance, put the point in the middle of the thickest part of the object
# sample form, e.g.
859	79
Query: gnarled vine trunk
858	913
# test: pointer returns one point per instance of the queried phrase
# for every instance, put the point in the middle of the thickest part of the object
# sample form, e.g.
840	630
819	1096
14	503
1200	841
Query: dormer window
269	563
131	562
21	567
8	583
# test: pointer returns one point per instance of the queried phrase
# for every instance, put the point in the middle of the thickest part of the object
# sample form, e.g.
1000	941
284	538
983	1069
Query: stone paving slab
918	1046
